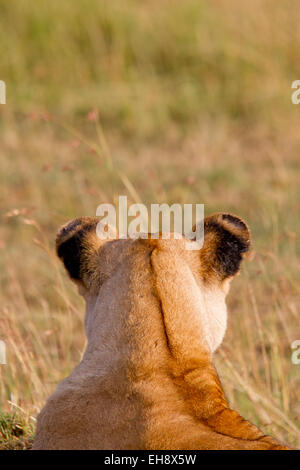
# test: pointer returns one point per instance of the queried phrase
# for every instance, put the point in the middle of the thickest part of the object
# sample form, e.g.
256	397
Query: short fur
155	313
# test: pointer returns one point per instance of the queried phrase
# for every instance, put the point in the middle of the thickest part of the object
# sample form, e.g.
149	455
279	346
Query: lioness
155	313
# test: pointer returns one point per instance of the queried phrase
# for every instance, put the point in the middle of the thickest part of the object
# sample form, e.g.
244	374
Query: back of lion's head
179	277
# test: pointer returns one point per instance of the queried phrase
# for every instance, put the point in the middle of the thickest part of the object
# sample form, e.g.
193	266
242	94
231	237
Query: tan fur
155	313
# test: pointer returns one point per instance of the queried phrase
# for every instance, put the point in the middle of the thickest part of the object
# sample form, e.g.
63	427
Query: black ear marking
73	243
229	252
70	253
235	221
67	229
229	240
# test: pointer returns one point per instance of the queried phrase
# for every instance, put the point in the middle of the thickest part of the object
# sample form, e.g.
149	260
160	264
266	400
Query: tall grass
194	106
149	64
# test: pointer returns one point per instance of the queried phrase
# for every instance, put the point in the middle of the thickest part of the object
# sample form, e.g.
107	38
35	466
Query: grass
192	104
16	431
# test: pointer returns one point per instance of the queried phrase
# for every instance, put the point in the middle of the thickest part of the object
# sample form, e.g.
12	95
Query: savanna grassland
162	101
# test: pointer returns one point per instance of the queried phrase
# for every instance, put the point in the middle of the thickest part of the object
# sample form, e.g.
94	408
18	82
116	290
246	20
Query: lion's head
124	273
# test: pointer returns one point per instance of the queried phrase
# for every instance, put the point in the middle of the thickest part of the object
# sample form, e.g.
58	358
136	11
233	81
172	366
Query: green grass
148	65
194	103
16	432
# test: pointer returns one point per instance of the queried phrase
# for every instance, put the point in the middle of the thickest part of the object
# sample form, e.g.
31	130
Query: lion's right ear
226	241
76	243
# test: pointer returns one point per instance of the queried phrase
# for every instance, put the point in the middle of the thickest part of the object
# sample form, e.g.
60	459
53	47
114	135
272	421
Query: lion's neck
214	317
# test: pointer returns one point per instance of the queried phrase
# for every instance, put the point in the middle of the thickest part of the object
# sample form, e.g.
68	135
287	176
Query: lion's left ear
226	240
76	244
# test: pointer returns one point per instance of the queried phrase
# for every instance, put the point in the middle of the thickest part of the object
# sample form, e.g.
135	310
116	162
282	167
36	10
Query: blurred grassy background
167	101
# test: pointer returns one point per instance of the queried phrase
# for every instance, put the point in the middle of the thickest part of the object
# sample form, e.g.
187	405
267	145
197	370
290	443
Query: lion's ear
226	240
76	242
